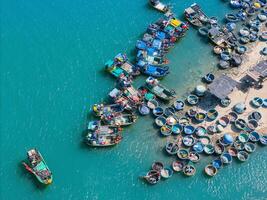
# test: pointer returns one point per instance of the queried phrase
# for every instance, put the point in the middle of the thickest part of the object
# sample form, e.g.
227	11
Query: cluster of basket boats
229	41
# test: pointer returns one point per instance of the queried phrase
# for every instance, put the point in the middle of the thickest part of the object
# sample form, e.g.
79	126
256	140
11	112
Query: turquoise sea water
52	56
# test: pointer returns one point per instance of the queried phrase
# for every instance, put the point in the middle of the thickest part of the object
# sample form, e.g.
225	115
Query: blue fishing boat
101	109
209	78
254	136
257	102
159	6
166	172
103	137
177	129
240	108
160	121
166	130
226	158
231	17
226	55
209	149
188	140
189	129
242	156
198	147
143	109
182	154
120	120
241	49
217	163
201	131
230	26
210	170
155	71
236	3
179	105
192	99
171	148
250	147
158	111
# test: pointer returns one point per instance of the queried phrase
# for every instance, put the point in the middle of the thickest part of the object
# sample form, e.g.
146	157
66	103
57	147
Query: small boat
195	15
184	121
152	104
155	71
192	112
235	3
121	120
201	131
159	6
244	39
263	140
243	137
217	50
198	147
212	114
226	158
236	60
262	17
169	111
194	157
152	177
223	64
244	31
192	99
263	36
182	154
158	111
159	90
200	117
177	129
158	166
253	37
239	145
179	105
209	78
188	140
255	116
166	172
200	90
232	151
212	129
264	51
240	124
242	156
224	121
209	149
241	49
203	31
218	148
100	139
101	109
226	55
240	108
210	170
257	102
93	125
160	121
189	170
177	166
254	136
231	18
233	116
250	147
166	130
171	148
217	163
38	167
230	26
252	124
189	129
143	109
264	105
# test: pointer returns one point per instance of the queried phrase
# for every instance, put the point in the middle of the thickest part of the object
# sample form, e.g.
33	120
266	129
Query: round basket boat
243	137
169	111
212	129
160	121
233	116
254	136
171	120
252	124
257	102
189	129
224	121
194	157
232	151
264	51
230	26
255	116
262	17
184	121
244	39
226	158
177	166
241	49
188	140
182	154
263	36
189	170
236	60
157	166
240	124
152	177
177	129
212	114
264	105
200	117
203	31
231	18
200	90
217	163
179	105
143	109
201	131
198	147
244	31
253	37
242	156
152	104
192	112
218	148
205	140
166	130
192	99
250	147
224	64
263	140
209	78
226	102
239	145
166	172
158	111
209	149
226	55
171	148
240	108
210	170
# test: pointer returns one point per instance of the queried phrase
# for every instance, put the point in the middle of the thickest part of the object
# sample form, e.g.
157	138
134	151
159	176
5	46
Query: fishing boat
244	31
152	104
177	129
166	172
99	139
182	154
240	124
192	112
236	60
219	148
189	170
226	55
209	78
209	149
200	90
242	156
38	167
212	114
240	108
244	39
169	111
93	125
194	157
264	51
198	147
184	121
101	109
239	145
188	140
158	111
171	148
152	177
201	131
231	26
250	147
212	129
121	120
189	129
177	166
166	130
179	105
223	121
226	158
159	6
171	120
195	15
243	137
205	140
252	124
264	105
263	36
160	121
192	99
158	166
217	163
232	151
231	17
200	117
223	64
236	3
218	50
210	170
263	140
143	109
159	90
203	31
255	115
233	116
241	49
254	136
155	71
257	102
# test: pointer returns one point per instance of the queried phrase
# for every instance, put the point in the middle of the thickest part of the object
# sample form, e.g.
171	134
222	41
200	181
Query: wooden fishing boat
152	104
38	167
241	49
159	90
209	78
177	166
189	129
159	6
263	140
198	147
160	121
242	156
203	31
200	117
157	166
166	130
171	120
218	148
101	109
233	116
179	105
223	121
264	105
182	154
226	158
231	17
212	114
210	170
195	15
184	121
143	109
121	120
102	140
201	131
217	163
166	172
171	148
152	177
177	129
209	149
252	124
169	111
194	157
192	112
224	64
239	145
255	115
189	170
250	147
192	99
243	137
257	102
232	151
188	140
205	140
254	136
158	111
240	124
